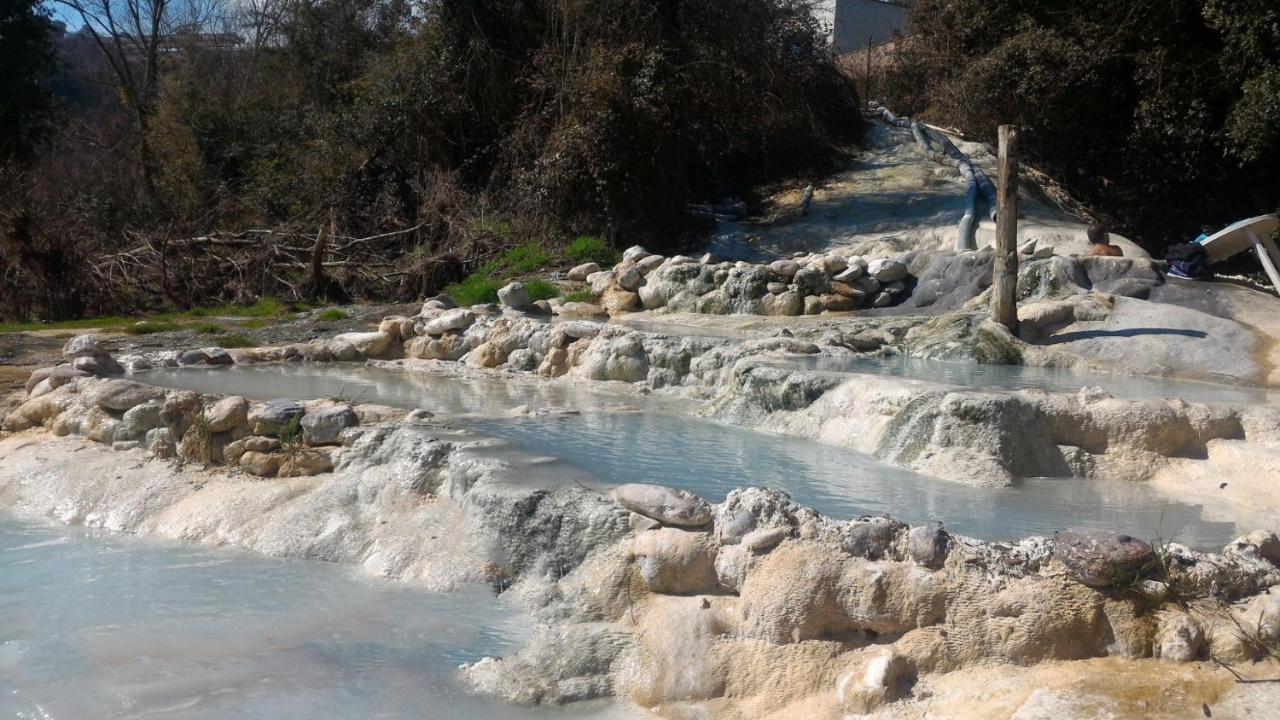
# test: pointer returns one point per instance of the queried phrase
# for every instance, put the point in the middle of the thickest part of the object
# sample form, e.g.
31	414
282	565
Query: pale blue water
96	626
976	376
711	459
603	449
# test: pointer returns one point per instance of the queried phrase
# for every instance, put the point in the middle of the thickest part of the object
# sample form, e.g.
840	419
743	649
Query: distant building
855	22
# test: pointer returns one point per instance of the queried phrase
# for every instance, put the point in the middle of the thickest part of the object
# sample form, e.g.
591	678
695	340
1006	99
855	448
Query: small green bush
234	341
541	290
525	258
588	248
478	288
208	328
580	296
332	315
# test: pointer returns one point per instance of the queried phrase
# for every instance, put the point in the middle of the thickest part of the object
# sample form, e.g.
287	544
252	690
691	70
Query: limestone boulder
615	302
580	272
448	346
306	463
1258	544
620	358
601	281
36	377
82	346
370	344
764	539
886	270
628	276
140	419
1179	637
1100	559
784	268
648	264
812	280
159	442
927	545
180	411
635	254
271	417
582	310
515	296
227	414
323	425
673	561
667	505
455	320
400	328
875	679
852	272
261	464
121	395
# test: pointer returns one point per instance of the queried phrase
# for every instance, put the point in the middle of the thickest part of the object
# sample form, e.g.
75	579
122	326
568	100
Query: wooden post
867	97
1004	282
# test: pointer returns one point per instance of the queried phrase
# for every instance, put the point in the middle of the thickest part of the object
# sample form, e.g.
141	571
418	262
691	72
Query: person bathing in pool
1100	242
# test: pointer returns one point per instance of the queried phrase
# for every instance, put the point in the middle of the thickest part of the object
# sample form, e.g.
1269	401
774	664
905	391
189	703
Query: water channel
601	448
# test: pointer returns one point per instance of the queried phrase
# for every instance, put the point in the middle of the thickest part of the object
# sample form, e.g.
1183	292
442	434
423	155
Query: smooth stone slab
667	505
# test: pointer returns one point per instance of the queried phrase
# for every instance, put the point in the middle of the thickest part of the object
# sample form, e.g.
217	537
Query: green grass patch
585	296
147	327
525	258
478	288
254	324
208	328
234	341
332	315
541	290
84	324
482	285
588	248
266	307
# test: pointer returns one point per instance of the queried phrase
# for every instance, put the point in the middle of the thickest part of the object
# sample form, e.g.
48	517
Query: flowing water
603	449
96	626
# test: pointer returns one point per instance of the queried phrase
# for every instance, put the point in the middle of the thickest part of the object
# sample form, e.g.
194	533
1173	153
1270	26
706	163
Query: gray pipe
976	181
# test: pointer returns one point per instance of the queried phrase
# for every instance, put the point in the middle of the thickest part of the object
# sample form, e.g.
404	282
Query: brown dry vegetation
384	148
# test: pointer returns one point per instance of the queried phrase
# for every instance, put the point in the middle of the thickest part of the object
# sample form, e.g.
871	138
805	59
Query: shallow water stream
602	449
94	626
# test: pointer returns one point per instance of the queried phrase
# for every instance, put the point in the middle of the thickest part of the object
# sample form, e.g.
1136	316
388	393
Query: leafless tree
261	21
133	35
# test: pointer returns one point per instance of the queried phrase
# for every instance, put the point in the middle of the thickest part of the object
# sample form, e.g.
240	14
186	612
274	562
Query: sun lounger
1252	233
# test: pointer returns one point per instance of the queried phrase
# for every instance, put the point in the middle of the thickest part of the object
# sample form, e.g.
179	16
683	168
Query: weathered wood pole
867	98
1004	282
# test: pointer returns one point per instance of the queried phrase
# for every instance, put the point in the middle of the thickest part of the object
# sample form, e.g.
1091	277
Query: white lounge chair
1252	233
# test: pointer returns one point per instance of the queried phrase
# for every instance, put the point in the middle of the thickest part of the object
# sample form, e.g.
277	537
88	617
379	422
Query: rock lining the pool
659	597
966	436
764	605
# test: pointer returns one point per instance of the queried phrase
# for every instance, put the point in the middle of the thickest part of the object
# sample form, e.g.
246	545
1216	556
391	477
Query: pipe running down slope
939	148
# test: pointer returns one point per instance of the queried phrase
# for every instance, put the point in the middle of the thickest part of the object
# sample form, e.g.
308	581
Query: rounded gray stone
1099	559
667	505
